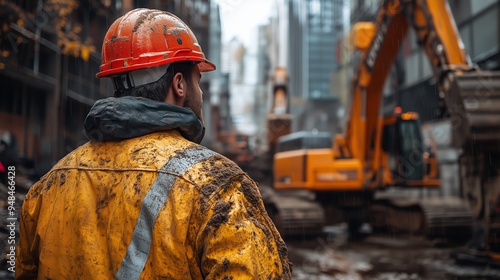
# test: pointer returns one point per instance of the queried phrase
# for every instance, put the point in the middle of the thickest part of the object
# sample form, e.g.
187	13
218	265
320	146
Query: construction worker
142	199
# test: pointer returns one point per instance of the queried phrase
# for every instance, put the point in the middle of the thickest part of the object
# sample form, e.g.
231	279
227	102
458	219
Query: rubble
378	257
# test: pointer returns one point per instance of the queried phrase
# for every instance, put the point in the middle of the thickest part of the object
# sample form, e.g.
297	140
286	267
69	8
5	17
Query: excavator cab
403	143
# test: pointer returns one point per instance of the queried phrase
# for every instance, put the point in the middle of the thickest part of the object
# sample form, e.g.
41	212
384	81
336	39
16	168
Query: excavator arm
380	49
470	99
470	95
360	162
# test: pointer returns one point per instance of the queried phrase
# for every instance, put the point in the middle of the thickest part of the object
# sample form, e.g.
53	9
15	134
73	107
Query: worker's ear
177	92
179	85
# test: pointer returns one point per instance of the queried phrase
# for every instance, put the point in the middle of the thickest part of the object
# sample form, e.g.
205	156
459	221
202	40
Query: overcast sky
239	17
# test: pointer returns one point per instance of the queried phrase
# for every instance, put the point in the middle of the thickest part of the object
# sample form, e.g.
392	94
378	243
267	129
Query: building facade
48	63
49	55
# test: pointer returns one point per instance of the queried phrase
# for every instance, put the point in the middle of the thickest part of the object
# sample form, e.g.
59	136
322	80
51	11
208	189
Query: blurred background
48	84
283	66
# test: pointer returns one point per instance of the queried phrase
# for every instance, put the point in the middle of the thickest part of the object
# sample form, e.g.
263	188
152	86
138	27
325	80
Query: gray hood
127	117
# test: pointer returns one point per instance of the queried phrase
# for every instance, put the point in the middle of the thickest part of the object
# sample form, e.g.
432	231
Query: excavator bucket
473	102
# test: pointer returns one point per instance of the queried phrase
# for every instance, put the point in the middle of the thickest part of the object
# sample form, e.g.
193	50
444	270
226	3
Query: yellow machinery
279	120
401	159
375	152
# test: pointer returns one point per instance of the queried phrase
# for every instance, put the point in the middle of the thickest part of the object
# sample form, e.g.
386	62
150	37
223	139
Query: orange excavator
375	152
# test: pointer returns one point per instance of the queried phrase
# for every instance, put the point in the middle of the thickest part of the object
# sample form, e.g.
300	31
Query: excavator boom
469	95
361	162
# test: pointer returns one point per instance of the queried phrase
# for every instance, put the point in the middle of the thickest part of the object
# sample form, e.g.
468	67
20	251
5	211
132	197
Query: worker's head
154	54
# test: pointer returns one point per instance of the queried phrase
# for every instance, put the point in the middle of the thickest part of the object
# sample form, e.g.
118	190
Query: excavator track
445	217
296	216
294	212
448	218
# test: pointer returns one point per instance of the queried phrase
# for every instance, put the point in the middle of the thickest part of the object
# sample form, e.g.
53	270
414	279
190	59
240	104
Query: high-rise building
240	61
211	97
308	37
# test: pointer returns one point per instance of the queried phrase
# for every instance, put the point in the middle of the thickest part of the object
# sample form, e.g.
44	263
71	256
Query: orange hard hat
146	38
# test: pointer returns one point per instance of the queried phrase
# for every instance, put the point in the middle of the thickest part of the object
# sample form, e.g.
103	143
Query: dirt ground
378	257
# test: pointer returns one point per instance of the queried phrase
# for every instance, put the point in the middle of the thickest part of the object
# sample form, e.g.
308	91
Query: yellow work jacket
155	206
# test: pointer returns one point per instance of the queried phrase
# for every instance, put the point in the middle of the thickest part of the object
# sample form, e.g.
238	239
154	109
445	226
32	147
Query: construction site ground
330	255
380	256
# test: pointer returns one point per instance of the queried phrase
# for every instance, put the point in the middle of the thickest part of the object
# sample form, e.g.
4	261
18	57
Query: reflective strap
138	250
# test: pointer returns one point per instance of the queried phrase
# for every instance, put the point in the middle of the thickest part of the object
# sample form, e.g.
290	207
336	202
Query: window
479	5
485	33
315	7
304	140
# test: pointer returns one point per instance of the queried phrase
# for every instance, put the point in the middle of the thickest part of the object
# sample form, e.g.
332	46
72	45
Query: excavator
376	153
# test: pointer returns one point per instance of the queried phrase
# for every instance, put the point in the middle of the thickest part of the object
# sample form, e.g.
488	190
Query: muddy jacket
147	202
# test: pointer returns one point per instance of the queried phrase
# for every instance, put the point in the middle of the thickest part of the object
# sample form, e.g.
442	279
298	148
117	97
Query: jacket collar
128	117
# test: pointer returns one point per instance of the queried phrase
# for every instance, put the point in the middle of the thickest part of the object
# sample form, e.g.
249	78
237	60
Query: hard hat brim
206	66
